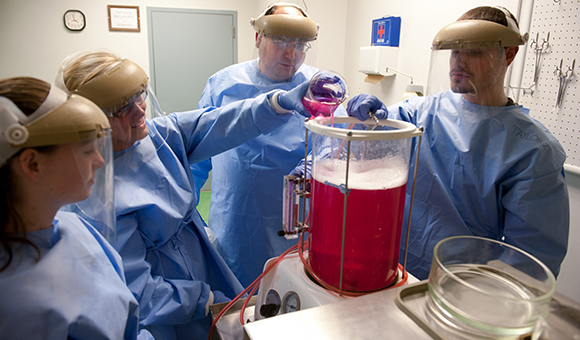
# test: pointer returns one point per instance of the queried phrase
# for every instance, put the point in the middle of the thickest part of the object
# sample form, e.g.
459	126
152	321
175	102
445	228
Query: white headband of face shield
13	121
511	22
12	113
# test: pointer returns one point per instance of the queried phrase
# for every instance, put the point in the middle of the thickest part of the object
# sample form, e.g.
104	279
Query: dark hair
27	94
273	8
488	13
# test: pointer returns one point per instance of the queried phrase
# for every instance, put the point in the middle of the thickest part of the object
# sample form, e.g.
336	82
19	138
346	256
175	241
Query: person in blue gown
486	167
247	181
170	265
59	277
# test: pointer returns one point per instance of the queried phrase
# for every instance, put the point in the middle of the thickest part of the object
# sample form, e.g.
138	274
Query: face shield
68	119
119	89
286	35
123	93
471	57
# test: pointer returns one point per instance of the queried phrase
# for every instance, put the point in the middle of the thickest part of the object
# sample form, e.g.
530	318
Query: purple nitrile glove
292	100
219	297
360	106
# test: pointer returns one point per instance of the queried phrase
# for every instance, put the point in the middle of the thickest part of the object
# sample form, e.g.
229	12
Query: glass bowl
488	289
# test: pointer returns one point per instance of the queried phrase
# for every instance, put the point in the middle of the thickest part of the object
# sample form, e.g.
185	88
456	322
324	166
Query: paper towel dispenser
375	60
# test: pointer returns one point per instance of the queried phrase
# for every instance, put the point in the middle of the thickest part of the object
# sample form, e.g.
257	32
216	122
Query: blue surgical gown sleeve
201	170
537	214
487	171
169	262
216	132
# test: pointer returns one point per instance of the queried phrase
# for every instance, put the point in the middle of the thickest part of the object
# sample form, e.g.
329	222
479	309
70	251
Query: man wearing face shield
246	202
59	277
170	265
486	168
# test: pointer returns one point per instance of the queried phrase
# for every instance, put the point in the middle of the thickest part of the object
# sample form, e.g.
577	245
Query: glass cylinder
359	179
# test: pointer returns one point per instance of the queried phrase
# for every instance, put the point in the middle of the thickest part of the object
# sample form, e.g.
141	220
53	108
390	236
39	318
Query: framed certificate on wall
123	18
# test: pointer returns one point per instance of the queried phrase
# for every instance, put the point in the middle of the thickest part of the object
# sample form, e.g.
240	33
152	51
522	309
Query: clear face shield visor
99	208
78	123
466	70
124	95
143	100
299	33
469	57
120	90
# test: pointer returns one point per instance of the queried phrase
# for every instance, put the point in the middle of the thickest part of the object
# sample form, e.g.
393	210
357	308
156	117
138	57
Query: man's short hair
488	13
273	8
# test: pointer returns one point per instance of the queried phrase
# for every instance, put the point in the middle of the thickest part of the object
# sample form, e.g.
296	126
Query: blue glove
299	170
292	100
219	297
360	106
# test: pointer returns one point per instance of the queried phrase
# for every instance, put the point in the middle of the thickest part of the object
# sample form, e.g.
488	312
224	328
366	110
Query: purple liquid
320	106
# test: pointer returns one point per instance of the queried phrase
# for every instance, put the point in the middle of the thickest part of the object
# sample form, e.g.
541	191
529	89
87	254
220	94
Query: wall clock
74	20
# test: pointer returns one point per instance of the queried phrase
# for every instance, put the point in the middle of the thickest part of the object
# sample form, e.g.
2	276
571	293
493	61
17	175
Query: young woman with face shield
486	167
170	265
59	277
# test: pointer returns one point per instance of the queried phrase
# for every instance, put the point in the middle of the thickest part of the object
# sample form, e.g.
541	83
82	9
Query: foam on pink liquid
373	227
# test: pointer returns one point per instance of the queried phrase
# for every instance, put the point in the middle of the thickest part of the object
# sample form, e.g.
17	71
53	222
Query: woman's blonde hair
80	68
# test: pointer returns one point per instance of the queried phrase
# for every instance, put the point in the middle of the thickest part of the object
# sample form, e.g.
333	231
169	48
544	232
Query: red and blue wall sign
386	31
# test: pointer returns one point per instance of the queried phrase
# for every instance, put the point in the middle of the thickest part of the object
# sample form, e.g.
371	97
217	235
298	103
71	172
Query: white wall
420	22
34	41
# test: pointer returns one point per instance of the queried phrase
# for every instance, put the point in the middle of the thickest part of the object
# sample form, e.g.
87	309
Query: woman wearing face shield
486	168
59	277
170	265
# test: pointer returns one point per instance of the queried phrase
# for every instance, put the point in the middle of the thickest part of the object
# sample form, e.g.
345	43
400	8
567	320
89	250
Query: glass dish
484	288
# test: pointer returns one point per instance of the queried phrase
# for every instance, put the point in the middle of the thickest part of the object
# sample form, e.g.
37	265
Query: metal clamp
539	49
563	79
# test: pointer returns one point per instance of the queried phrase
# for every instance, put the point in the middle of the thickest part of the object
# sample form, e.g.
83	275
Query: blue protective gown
76	290
169	262
247	181
493	172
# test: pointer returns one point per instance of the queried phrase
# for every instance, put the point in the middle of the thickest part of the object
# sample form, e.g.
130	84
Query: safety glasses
125	110
298	46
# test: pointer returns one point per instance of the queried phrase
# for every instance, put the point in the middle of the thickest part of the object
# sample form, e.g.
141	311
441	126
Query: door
186	47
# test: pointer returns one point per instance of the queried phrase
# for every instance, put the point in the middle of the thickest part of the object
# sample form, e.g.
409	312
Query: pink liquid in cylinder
320	106
372	240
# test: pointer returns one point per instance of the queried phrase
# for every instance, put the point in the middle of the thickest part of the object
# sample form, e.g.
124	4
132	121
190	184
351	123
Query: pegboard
561	19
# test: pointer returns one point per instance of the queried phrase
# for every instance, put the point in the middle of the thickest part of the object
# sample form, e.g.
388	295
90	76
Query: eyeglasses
298	46
124	111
